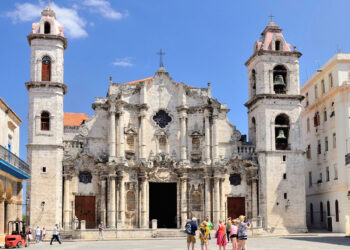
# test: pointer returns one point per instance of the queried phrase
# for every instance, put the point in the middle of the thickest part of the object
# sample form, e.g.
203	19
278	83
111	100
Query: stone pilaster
103	199
111	203
143	202
121	134
207	137
254	199
222	200
183	117
66	203
215	136
121	221
112	135
143	134
184	203
207	197
216	200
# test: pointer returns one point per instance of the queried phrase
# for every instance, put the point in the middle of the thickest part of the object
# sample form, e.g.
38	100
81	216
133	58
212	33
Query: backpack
188	228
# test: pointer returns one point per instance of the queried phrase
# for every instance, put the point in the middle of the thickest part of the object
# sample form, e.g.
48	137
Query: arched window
46	68
130	201
252	130
280	79
311	213
282	132
163	144
196	143
196	201
253	82
130	142
328	209
336	211
321	211
45	120
47	28
278	45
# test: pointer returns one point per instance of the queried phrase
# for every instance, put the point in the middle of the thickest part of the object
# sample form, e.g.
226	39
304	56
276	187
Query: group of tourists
234	230
40	234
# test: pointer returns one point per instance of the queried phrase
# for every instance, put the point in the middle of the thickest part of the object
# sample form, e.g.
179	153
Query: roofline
272	52
12	114
47	37
334	60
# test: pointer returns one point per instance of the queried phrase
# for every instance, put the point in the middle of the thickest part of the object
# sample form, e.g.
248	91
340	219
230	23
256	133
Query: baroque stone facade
154	149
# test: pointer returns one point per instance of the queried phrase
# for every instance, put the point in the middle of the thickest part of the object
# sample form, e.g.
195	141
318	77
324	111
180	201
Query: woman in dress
242	233
233	234
221	236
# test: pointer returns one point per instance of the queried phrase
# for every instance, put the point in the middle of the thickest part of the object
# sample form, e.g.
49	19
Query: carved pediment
163	160
130	130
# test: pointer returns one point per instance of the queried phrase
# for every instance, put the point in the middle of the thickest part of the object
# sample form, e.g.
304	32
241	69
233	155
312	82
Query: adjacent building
160	149
13	171
326	137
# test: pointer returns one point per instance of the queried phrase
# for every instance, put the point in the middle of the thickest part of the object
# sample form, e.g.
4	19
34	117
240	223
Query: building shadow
335	240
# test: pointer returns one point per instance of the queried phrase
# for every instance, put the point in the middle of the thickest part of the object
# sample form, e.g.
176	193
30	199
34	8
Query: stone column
2	216
121	201
184	215
222	200
207	197
207	137
183	116
143	134
121	134
103	199
215	137
66	203
111	203
9	212
216	200
254	200
143	202
112	136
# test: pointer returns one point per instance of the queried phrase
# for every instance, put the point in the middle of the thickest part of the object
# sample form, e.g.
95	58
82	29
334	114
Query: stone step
170	233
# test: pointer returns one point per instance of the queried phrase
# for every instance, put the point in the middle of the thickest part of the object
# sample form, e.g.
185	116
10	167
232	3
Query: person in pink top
221	235
234	234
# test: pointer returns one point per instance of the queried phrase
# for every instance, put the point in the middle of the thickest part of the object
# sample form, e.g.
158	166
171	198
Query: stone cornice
46	84
296	54
47	37
258	97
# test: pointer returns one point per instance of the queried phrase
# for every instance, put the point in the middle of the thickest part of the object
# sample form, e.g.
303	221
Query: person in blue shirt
190	229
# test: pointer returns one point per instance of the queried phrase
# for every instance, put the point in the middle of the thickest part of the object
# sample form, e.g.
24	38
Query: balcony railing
14	160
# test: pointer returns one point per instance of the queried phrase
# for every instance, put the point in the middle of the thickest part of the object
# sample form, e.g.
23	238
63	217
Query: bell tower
46	92
274	109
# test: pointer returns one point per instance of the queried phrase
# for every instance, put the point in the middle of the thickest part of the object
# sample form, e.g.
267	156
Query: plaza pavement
327	241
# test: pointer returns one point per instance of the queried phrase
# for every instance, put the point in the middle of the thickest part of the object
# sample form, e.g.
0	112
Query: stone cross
160	53
271	16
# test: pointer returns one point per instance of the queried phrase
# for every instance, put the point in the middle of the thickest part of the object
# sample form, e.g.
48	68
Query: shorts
233	236
204	242
191	238
243	237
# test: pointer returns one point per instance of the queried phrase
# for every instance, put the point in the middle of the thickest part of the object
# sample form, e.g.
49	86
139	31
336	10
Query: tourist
210	226
228	228
37	234
233	234
242	232
190	229
55	234
221	235
204	234
43	234
100	231
30	236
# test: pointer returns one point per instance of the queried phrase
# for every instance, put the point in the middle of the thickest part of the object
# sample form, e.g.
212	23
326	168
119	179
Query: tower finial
271	16
161	53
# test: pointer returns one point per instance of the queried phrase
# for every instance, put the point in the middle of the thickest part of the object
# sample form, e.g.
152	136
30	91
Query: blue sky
205	41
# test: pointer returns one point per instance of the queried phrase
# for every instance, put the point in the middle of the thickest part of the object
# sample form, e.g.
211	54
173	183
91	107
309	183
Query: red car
16	236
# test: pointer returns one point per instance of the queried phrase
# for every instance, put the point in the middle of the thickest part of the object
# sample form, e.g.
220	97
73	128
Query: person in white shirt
37	234
55	234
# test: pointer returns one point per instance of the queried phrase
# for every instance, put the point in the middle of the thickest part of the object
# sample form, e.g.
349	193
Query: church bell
279	82
281	135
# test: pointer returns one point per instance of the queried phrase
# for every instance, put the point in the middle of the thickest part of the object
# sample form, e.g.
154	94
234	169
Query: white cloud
123	62
73	24
104	8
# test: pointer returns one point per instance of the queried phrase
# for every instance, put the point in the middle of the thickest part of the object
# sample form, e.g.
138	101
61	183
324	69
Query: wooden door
85	210
235	207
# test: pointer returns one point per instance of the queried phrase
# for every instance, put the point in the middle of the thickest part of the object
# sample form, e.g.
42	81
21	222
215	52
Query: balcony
12	164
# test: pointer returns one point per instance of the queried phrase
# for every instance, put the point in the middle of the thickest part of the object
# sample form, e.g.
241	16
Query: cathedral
158	152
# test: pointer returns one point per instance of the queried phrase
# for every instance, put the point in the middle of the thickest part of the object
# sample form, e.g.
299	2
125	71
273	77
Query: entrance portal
235	206
162	204
85	210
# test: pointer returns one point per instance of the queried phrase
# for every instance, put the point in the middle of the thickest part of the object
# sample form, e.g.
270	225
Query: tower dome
48	24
